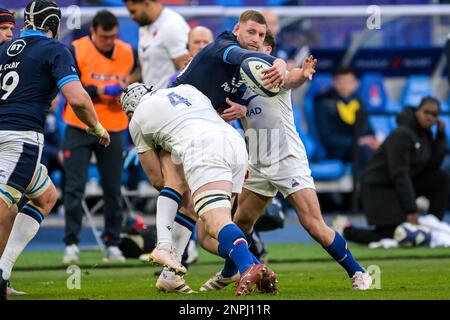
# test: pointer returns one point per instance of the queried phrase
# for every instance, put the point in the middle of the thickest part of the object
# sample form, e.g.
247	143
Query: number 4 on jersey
176	99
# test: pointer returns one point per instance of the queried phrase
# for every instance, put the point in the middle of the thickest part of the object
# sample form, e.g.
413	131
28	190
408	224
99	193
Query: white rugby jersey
159	44
172	118
270	129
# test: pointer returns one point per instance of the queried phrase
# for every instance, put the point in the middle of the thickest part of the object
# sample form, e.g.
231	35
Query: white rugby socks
24	229
182	231
166	210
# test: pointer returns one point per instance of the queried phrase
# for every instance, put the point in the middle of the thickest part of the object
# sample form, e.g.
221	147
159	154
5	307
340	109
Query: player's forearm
237	55
80	102
152	168
294	78
85	111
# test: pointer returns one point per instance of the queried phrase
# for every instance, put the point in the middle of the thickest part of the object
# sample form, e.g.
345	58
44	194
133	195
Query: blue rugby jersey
32	70
215	70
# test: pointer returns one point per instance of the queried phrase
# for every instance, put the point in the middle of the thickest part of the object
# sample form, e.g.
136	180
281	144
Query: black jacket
407	152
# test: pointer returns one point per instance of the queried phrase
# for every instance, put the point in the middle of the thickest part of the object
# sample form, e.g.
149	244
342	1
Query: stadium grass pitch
305	272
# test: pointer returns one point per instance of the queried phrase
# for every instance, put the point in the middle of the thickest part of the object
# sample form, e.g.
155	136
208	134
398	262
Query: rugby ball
410	235
251	73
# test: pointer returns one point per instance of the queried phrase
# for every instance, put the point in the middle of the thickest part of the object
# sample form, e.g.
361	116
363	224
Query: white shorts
216	156
20	168
287	176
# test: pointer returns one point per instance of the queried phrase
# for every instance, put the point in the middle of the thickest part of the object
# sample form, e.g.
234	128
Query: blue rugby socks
338	250
232	244
229	268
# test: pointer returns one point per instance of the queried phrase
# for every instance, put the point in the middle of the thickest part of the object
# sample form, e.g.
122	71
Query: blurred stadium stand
397	65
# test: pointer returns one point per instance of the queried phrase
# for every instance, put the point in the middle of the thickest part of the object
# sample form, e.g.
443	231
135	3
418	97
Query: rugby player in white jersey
183	122
163	35
282	166
224	56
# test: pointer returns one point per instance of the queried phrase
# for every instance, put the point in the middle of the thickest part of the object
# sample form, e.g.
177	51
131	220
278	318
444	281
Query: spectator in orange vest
103	61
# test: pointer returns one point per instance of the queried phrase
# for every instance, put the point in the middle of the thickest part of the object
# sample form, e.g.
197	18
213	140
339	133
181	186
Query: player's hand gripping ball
252	71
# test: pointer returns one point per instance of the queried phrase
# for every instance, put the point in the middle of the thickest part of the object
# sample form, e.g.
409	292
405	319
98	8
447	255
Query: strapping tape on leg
9	195
40	183
211	199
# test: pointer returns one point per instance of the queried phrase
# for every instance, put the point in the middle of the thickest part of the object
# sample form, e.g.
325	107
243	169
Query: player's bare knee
4	209
12	213
46	201
8	215
214	220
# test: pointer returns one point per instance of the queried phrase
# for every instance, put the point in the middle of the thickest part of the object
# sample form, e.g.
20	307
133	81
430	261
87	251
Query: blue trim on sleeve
227	51
67	79
29	33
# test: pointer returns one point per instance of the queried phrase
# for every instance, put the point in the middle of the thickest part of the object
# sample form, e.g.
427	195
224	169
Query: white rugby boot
218	282
166	255
169	282
361	281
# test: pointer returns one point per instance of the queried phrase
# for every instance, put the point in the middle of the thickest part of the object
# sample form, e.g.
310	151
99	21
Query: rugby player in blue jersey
32	70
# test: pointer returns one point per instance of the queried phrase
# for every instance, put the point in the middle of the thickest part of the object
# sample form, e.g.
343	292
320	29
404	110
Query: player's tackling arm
298	76
82	105
152	167
147	155
294	78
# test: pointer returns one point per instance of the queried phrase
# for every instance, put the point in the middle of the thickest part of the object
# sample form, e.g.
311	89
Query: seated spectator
341	120
406	166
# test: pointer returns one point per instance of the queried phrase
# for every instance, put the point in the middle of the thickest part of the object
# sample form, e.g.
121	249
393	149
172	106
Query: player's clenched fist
101	133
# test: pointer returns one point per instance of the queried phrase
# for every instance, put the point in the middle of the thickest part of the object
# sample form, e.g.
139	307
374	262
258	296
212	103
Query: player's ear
236	28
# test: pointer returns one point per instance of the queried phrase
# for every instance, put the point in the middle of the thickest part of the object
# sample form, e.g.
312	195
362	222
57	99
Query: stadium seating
416	87
319	84
380	108
322	169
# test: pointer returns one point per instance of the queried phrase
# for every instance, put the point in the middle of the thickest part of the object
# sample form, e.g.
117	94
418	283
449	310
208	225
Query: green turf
304	272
